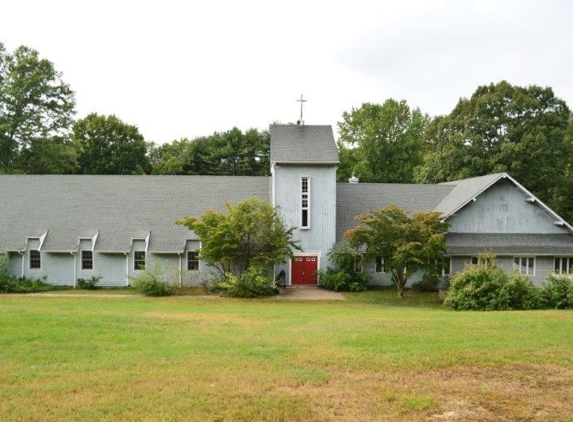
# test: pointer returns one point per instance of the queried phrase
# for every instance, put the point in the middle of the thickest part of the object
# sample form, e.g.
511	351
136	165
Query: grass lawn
371	357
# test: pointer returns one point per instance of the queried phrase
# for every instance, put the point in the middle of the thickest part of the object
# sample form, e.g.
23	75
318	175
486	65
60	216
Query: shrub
5	271
557	292
486	287
343	279
519	292
89	283
26	285
151	282
430	282
252	283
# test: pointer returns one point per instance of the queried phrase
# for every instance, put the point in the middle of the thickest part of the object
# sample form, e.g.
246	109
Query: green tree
251	233
231	153
504	128
381	143
36	114
407	243
106	145
168	158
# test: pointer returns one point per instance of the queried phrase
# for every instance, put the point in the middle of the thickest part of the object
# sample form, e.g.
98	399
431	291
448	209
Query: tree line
525	131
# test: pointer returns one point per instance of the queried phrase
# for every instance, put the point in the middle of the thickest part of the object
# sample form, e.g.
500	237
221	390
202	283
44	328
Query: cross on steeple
301	101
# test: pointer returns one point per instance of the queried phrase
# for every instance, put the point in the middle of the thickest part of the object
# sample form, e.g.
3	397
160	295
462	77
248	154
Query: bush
341	281
519	292
252	283
151	282
430	282
5	271
557	292
486	287
26	285
89	283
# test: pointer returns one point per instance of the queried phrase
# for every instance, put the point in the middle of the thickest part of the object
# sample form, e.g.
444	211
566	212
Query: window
524	265
358	265
563	265
87	260
35	260
379	263
475	260
305	202
192	260
442	266
139	260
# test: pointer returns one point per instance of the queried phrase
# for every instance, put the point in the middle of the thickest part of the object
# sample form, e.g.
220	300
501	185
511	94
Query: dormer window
305	202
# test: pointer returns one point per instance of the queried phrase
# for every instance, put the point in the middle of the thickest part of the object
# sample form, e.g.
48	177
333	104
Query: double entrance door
303	270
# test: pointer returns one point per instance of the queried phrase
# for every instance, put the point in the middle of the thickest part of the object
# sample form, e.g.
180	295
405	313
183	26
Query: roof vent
353	180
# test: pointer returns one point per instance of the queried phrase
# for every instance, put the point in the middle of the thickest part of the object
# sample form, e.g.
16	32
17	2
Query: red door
303	269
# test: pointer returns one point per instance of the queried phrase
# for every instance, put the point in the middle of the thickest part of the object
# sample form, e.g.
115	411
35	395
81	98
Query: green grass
370	357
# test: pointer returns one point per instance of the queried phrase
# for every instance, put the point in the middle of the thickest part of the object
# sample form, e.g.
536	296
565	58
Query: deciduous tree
36	115
504	128
106	145
407	243
251	233
381	143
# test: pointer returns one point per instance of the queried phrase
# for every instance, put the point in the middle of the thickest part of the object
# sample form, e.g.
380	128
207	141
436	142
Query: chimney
353	180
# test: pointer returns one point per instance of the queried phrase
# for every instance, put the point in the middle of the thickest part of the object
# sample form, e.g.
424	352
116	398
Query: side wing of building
62	228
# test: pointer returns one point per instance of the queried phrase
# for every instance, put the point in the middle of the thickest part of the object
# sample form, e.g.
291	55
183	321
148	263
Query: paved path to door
308	293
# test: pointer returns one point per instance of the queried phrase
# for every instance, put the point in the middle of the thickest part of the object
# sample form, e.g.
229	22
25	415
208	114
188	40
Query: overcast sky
186	68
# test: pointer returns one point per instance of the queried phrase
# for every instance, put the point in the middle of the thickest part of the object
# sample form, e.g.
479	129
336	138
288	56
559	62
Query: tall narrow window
87	260
305	203
139	260
35	260
192	260
442	265
524	265
563	265
380	265
357	265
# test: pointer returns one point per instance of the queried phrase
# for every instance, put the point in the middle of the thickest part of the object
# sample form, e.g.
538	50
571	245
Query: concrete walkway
308	293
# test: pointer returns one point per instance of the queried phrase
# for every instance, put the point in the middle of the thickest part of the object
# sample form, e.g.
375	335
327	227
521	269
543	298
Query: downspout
75	268
22	254
126	269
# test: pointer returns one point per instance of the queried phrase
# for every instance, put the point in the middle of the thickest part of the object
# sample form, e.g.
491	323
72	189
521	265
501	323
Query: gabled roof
467	190
303	144
117	208
357	198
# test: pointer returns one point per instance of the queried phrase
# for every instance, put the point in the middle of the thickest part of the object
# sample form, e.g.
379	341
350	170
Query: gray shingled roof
303	144
353	199
118	207
508	244
464	191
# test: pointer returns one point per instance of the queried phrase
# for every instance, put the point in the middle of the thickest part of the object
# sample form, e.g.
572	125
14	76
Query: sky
184	69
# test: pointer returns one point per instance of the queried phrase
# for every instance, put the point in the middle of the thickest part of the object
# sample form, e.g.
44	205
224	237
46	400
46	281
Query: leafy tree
407	243
252	233
168	158
36	114
106	145
231	153
381	143
504	128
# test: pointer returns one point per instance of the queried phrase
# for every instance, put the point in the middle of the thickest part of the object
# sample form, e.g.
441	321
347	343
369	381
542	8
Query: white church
65	227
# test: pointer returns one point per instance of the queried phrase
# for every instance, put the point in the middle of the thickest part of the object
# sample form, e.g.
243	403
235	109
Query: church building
65	227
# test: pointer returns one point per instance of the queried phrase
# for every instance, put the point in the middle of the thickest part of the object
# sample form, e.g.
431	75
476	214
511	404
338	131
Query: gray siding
15	264
320	237
112	268
502	209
